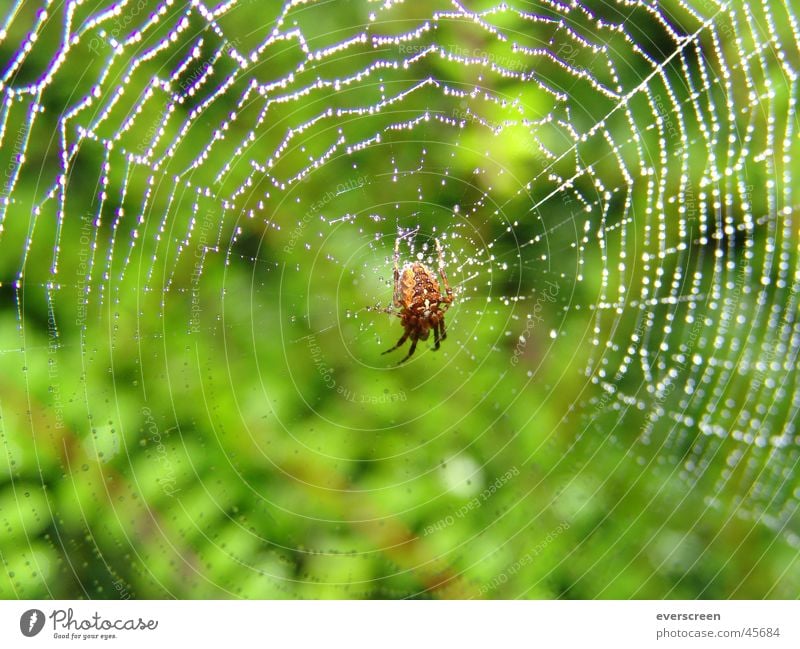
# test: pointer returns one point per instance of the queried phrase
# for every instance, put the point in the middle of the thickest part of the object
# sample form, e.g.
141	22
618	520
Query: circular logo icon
31	622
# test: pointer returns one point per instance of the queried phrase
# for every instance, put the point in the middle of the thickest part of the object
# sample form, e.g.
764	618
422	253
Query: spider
419	301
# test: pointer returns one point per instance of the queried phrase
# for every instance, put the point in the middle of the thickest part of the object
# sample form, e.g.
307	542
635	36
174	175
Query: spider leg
443	330
435	337
443	275
400	342
410	351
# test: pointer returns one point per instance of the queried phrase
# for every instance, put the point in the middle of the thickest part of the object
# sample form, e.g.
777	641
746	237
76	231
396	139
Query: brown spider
419	301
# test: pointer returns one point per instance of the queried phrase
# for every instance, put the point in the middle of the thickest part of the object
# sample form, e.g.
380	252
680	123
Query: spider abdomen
420	290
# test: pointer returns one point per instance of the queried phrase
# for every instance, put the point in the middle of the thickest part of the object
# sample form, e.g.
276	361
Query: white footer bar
401	624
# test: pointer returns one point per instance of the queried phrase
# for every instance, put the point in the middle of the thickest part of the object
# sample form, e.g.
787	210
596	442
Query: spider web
219	187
